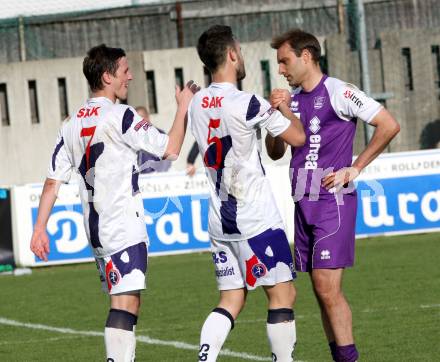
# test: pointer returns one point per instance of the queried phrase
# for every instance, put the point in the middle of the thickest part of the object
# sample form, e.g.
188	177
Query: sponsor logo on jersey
314	145
318	102
144	124
270	111
214	102
325	254
314	125
351	96
224	272
88	112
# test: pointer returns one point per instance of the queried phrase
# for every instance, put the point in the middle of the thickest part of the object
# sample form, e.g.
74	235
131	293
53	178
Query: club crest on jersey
318	102
259	270
113	276
294	105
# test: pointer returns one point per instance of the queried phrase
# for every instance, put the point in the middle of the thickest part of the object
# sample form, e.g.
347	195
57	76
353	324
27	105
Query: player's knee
282	295
233	304
127	302
327	294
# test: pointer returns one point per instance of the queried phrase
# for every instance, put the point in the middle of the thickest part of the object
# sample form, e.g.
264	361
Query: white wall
26	148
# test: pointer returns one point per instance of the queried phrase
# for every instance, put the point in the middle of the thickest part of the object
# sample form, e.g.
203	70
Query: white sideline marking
424	306
143	339
52	339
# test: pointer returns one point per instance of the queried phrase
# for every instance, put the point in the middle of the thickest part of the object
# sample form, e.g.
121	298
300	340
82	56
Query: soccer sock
134	333
281	331
347	353
332	346
120	342
214	332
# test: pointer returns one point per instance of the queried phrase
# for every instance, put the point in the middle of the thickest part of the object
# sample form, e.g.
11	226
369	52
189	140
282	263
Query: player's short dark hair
101	59
430	136
213	44
298	41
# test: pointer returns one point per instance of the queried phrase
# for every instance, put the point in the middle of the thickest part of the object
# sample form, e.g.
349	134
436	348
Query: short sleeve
60	166
260	114
350	102
141	135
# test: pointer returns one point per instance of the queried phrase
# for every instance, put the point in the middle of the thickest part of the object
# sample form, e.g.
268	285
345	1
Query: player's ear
232	54
306	56
106	78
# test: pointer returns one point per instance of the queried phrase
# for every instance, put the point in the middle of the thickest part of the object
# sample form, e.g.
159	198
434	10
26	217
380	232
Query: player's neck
225	76
104	93
312	80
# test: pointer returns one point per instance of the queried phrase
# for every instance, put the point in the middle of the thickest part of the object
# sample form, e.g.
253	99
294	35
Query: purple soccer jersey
328	114
325	222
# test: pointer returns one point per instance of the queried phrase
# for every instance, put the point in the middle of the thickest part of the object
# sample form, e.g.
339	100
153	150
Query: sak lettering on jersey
214	102
88	112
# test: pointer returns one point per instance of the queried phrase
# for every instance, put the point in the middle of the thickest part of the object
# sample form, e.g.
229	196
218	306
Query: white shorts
124	271
265	259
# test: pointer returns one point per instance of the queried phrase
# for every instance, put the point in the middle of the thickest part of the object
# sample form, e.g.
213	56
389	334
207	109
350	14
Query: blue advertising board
404	204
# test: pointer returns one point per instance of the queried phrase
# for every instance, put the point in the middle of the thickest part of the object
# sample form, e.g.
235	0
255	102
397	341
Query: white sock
134	348
215	330
119	344
281	331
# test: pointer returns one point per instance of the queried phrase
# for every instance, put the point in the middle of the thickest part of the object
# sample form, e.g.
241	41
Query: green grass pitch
394	292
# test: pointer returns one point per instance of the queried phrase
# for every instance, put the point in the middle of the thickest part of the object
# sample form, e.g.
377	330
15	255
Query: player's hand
40	243
184	96
335	181
279	96
190	169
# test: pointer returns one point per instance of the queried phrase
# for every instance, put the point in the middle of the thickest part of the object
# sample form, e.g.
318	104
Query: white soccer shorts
264	259
124	271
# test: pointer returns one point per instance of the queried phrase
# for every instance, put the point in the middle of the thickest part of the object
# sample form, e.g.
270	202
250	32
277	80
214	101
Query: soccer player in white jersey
248	243
100	141
325	210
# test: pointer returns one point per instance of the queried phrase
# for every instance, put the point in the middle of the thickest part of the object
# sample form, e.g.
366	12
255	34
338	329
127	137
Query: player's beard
241	71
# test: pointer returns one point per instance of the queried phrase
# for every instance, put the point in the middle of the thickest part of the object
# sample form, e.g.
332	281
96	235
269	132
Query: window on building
435	50
4	108
178	74
265	78
33	101
62	95
151	91
407	69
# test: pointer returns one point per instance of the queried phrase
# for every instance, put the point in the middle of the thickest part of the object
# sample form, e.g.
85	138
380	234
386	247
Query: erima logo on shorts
325	254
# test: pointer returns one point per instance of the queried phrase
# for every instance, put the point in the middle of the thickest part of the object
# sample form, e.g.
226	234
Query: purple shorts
325	233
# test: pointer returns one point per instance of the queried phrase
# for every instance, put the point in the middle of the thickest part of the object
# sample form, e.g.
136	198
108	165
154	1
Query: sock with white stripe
120	342
281	331
215	330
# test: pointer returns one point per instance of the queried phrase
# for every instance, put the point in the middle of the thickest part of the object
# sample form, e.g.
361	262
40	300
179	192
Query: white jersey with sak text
100	141
226	124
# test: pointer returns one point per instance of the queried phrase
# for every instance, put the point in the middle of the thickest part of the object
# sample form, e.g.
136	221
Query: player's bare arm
40	240
177	131
386	129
